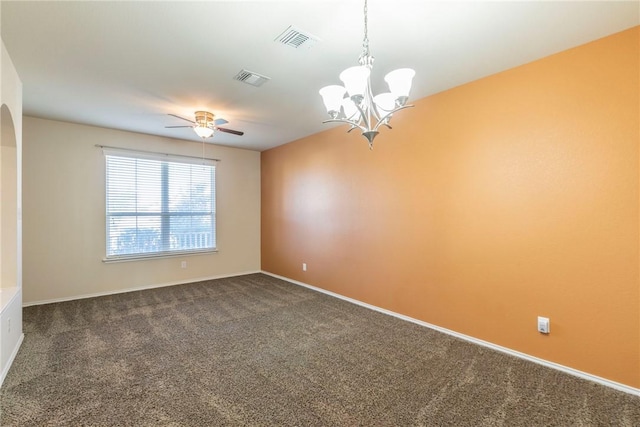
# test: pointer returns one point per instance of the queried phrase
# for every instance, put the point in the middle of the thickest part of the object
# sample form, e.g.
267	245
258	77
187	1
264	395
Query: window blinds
157	206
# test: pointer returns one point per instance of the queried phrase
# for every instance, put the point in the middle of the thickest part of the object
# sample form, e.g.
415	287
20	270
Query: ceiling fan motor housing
204	118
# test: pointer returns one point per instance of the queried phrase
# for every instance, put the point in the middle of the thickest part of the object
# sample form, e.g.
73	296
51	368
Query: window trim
157	255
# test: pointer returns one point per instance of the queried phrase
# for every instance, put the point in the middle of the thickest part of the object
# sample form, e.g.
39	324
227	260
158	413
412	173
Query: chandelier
360	109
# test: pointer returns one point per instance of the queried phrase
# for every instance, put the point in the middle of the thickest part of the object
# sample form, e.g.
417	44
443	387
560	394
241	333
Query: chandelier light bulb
355	80
385	102
399	81
332	97
350	110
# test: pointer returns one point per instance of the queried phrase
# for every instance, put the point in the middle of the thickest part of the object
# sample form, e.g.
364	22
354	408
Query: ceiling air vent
296	38
251	78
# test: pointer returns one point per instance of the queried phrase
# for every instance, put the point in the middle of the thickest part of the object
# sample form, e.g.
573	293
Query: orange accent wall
487	205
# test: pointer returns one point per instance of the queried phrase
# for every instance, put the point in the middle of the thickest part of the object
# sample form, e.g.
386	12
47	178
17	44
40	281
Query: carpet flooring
257	351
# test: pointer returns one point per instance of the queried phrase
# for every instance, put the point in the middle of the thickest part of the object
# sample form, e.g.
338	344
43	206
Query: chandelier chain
365	42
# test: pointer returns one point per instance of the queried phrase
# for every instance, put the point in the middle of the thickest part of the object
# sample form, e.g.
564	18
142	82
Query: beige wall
64	213
508	198
10	212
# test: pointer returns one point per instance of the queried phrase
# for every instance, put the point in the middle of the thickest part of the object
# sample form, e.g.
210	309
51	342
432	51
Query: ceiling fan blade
167	127
218	122
231	131
178	117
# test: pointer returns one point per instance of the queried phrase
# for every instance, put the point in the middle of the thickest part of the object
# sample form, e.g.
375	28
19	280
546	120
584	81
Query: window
158	207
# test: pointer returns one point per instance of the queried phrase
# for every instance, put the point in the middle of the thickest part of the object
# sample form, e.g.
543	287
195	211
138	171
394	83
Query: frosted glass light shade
399	81
350	110
385	102
332	97
203	131
355	80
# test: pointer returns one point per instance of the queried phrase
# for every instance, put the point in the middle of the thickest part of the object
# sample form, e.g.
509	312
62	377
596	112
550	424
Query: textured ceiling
126	65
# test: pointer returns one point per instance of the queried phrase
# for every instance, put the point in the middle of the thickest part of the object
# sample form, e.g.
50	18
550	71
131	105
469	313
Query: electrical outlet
183	264
543	325
304	266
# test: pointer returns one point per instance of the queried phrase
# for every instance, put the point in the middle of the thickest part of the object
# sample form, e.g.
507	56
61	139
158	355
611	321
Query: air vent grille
296	38
251	78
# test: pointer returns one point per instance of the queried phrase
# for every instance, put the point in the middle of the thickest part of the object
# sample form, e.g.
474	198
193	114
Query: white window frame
165	214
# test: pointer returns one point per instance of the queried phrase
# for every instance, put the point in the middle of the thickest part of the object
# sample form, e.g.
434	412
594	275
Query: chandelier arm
371	104
364	117
354	125
375	113
384	118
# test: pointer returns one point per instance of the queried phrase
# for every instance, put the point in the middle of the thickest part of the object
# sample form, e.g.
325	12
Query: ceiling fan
205	125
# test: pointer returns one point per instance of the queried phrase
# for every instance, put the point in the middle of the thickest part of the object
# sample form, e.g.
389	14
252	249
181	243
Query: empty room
320	213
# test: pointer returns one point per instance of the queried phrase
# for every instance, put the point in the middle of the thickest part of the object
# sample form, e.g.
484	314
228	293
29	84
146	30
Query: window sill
157	256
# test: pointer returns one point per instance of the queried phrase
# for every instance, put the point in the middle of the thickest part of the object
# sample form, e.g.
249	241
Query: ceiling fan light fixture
203	131
205	124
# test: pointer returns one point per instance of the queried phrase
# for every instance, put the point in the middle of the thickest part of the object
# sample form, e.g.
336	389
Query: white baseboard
14	353
613	384
137	288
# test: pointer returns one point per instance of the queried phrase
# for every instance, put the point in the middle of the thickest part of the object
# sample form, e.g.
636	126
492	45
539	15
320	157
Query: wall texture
508	198
64	213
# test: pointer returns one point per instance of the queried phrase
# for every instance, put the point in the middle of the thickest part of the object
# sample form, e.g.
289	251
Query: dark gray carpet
256	351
